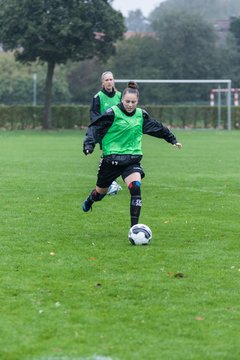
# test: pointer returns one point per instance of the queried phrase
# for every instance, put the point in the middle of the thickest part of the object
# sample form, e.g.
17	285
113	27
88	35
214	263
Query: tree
16	85
55	31
209	9
235	29
136	59
186	48
234	65
136	21
186	45
84	79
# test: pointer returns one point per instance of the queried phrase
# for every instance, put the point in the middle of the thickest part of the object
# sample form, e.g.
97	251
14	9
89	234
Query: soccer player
120	130
103	100
106	97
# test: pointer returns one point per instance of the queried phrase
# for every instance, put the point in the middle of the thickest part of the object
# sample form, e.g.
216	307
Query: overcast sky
146	6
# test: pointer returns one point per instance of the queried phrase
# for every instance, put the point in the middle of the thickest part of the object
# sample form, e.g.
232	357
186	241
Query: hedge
77	116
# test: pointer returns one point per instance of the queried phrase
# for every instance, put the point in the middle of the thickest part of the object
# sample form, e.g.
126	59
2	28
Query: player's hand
88	149
178	145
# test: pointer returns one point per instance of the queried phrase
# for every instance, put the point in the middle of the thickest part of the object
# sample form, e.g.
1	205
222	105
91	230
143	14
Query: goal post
191	81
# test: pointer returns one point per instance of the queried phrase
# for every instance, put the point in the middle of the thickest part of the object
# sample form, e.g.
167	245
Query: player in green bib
106	97
120	130
103	100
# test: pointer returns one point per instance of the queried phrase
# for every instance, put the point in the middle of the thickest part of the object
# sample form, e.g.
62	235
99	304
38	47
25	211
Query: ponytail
132	88
132	85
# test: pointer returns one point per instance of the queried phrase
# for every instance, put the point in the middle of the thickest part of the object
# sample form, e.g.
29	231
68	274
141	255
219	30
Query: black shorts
107	173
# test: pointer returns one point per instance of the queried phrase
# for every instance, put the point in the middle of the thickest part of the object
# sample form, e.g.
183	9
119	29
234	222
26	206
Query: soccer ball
140	234
114	188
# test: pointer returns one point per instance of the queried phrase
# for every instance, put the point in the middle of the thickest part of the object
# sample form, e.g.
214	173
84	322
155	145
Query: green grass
73	288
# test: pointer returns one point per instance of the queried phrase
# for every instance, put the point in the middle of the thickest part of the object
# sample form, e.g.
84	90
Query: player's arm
96	131
155	128
95	109
89	141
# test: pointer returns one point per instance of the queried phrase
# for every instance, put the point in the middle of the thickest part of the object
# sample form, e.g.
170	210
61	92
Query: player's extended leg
95	195
136	201
133	182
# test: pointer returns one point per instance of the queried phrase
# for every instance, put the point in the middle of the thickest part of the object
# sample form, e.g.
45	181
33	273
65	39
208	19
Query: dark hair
132	88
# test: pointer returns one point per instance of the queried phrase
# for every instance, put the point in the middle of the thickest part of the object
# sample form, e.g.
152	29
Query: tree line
68	44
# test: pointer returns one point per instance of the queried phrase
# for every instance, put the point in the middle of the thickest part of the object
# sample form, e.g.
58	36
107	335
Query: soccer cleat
87	205
114	188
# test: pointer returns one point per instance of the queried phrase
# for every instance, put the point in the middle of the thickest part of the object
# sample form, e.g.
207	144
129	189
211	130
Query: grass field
72	286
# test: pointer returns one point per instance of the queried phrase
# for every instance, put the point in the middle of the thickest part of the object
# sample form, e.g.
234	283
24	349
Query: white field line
94	357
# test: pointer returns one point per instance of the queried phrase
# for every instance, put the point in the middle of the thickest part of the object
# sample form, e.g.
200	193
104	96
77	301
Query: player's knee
135	188
96	196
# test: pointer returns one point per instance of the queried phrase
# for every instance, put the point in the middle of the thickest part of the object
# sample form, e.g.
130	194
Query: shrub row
77	116
27	116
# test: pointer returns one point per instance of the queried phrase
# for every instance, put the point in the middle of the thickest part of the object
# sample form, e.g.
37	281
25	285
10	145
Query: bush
31	117
77	116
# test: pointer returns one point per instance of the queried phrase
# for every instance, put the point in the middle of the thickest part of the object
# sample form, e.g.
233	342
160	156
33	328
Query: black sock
135	202
135	209
96	196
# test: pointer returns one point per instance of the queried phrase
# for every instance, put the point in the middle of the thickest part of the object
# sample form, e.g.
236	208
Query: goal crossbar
191	81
